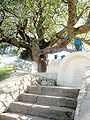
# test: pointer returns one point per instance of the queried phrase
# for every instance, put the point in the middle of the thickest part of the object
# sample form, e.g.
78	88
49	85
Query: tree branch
21	31
58	46
83	10
9	10
15	42
71	18
86	41
65	1
2	14
71	13
84	28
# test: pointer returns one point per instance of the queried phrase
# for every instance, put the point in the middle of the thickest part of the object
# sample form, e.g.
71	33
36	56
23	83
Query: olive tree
42	26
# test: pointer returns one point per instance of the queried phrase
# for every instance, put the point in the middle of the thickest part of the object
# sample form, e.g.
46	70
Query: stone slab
48	100
14	116
51	112
54	91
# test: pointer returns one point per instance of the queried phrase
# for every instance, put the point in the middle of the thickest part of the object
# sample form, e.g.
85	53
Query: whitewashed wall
71	69
53	66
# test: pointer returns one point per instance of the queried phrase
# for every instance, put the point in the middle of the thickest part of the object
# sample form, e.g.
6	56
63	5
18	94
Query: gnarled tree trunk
42	63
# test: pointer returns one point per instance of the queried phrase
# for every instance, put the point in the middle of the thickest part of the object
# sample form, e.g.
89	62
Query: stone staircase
43	103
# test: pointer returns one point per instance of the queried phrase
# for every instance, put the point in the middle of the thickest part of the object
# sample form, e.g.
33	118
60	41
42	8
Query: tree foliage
42	26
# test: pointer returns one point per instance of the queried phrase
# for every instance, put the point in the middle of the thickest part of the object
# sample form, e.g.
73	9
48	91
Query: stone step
15	116
51	112
48	100
53	91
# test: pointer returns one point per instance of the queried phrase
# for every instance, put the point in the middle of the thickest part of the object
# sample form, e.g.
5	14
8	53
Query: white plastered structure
70	71
52	69
53	66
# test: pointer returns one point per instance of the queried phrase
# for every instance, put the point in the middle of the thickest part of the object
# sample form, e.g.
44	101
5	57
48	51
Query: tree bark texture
42	66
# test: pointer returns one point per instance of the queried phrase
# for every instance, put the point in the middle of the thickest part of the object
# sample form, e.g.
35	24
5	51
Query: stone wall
83	102
43	79
12	87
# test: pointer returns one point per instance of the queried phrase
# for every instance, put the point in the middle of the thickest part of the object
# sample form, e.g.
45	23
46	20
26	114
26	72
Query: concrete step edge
65	109
48	96
16	116
55	87
48	100
50	112
52	91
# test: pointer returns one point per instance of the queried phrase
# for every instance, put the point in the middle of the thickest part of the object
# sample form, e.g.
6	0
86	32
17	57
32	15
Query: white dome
71	68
